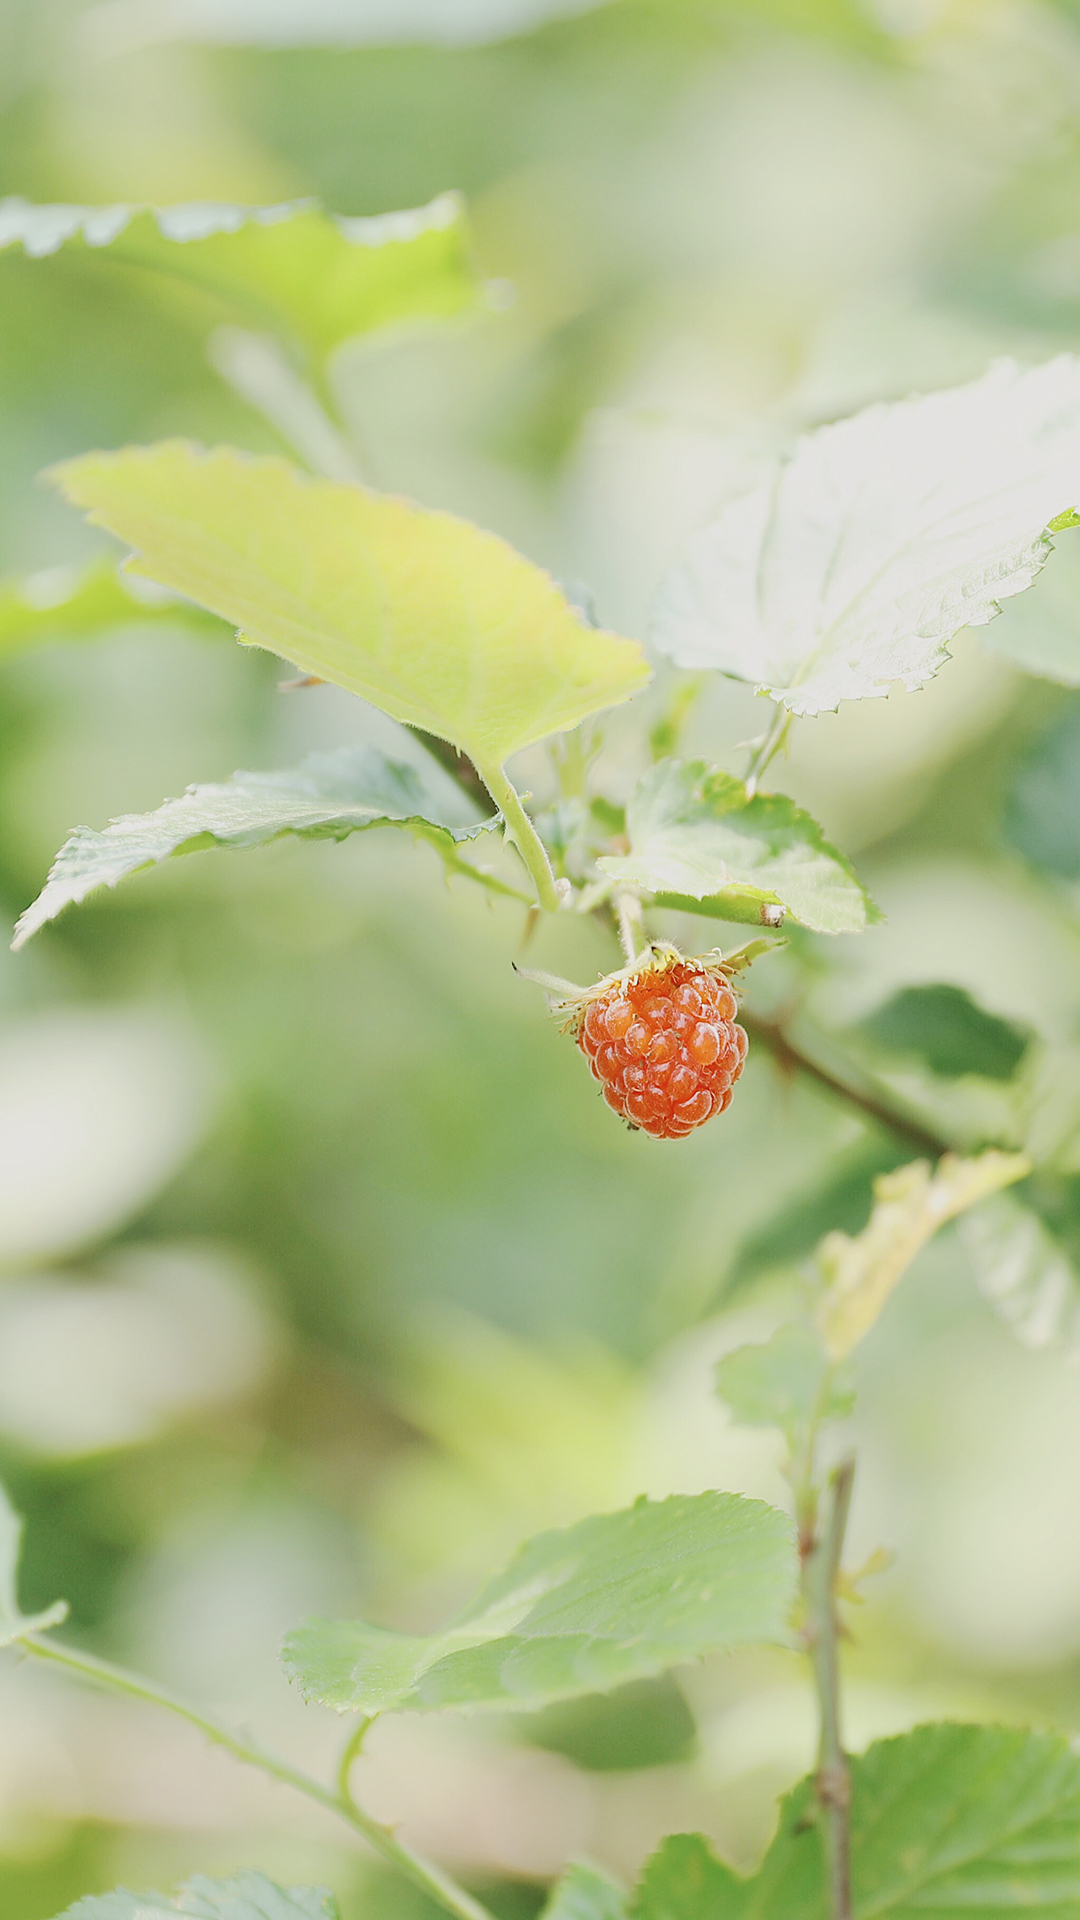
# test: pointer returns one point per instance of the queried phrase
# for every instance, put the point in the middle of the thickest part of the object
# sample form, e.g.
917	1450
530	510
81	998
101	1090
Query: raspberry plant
848	569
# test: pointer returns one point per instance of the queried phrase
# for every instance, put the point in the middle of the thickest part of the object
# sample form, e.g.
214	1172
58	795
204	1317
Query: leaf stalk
525	838
423	1873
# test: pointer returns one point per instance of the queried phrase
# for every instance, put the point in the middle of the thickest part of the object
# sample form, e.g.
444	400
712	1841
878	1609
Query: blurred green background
327	1278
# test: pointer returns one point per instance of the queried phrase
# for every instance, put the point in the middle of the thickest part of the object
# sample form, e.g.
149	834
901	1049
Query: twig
869	1098
821	1556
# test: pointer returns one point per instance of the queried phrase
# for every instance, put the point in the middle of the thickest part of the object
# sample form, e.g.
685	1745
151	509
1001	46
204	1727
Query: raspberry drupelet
665	1047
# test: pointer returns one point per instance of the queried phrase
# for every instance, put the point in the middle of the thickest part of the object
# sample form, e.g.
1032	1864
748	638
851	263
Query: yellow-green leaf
441	625
911	1204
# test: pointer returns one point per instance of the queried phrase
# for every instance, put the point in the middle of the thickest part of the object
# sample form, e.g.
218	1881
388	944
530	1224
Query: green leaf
438	623
842	1199
1024	1270
911	1204
584	1893
77	603
327	797
1042	814
247	1896
1040	631
866	551
698	842
316	277
783	1382
685	1881
645	1724
618	1597
978	1820
945	1028
14	1624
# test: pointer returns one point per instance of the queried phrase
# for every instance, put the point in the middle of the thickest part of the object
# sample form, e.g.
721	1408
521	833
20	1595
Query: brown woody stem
820	1555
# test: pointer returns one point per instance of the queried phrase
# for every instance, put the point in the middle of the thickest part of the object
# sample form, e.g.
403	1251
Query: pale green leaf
1040	631
75	603
14	1624
698	842
615	1598
947	1819
852	567
859	1274
247	1896
438	623
782	1382
318	277
1024	1271
584	1893
328	797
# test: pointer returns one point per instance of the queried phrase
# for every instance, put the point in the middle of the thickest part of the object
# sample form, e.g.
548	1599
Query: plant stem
521	831
631	927
821	1555
867	1095
423	1873
767	747
352	1748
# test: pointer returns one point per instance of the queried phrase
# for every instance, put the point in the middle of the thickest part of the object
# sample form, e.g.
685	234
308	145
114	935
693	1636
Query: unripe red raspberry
665	1046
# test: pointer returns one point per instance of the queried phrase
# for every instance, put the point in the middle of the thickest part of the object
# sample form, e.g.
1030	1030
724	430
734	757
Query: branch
869	1097
820	1570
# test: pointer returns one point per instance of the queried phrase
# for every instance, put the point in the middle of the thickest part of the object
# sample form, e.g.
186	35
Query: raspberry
665	1047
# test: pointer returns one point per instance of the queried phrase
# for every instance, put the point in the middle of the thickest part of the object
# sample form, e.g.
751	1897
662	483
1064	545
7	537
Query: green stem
352	1748
767	747
423	1873
631	925
821	1556
521	831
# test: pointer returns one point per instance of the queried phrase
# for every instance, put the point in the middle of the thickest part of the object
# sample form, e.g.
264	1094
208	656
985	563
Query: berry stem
336	1799
630	925
521	831
820	1555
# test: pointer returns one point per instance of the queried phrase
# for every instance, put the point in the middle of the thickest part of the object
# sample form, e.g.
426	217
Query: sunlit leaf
328	797
911	1204
615	1598
782	1382
697	842
1042	815
438	623
247	1896
68	603
14	1624
320	278
879	538
978	1820
1040	631
945	1029
584	1893
1024	1270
